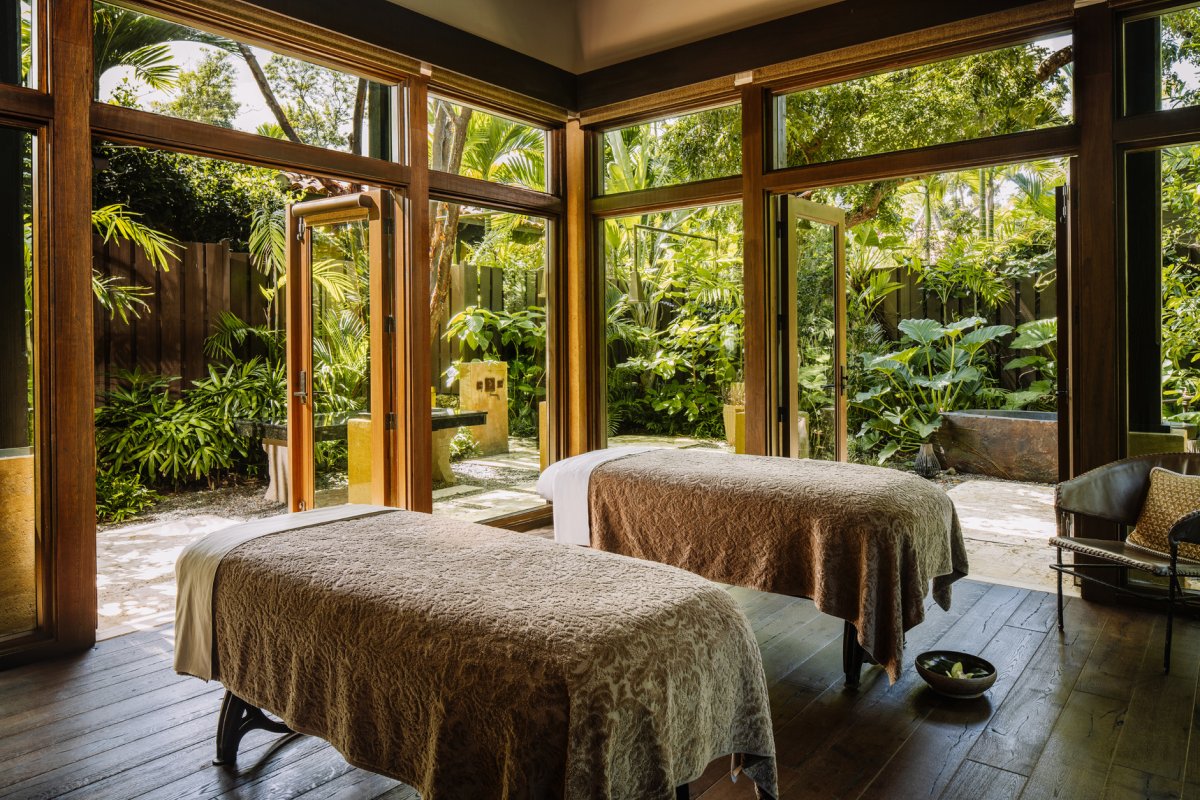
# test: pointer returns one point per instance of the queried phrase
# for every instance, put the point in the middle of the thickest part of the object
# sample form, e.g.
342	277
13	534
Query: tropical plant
125	38
121	496
1038	369
939	368
115	223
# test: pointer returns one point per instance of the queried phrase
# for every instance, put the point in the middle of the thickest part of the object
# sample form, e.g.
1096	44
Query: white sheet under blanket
565	484
196	570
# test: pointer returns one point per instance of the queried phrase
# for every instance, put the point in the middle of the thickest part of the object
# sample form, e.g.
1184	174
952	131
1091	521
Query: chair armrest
1187	529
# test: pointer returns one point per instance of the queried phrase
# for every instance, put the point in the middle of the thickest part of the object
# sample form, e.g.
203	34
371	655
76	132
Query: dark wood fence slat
146	326
172	312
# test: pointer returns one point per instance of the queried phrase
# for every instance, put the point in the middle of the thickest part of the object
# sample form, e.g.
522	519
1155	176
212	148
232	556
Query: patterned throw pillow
1171	496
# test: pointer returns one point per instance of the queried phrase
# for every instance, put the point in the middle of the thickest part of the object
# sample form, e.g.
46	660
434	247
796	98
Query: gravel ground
241	500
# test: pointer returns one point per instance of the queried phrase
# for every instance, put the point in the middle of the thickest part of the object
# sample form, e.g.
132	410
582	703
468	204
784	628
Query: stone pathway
1006	525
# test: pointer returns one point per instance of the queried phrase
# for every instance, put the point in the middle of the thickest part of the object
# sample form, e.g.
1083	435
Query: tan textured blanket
474	663
863	542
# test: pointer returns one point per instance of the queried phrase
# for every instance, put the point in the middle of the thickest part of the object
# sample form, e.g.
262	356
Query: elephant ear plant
939	368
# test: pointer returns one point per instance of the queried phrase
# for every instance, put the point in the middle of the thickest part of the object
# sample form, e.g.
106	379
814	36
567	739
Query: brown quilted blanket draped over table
863	542
475	663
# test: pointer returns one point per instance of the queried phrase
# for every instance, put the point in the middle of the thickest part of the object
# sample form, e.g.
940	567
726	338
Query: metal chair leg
1174	582
1060	590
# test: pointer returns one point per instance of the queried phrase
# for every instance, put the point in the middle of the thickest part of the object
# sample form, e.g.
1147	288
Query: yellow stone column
483	386
18	584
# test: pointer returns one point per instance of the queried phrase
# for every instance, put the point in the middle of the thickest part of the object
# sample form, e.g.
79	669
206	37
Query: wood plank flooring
1086	714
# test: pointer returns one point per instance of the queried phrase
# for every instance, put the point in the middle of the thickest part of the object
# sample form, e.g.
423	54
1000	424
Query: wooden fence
482	287
184	303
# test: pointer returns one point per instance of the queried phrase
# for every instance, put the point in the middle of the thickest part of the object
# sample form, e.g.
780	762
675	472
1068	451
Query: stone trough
1015	445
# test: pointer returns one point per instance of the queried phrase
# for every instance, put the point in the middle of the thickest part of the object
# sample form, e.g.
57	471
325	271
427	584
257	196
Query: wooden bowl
934	666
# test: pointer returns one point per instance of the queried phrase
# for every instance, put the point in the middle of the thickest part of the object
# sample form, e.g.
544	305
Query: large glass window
464	140
1003	91
18	455
1161	61
155	65
666	152
488	347
1163	299
675	309
18	44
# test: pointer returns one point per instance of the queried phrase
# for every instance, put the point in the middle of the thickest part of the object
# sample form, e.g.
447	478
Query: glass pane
1015	89
816	340
18	50
1162	65
189	339
665	152
675	308
1163	299
151	64
488	349
341	352
952	334
479	144
18	513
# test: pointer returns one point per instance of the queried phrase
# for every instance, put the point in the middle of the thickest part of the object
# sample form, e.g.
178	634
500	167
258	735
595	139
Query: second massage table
866	544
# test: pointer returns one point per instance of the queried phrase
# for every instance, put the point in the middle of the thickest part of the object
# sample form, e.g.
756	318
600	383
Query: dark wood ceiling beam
840	25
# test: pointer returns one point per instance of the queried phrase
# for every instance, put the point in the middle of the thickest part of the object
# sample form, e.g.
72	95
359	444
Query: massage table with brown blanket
472	662
865	543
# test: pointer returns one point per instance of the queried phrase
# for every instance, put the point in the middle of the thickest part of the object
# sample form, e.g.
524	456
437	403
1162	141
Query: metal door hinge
389	421
300	227
389	324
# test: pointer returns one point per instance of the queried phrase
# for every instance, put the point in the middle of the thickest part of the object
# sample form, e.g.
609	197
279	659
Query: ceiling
583	35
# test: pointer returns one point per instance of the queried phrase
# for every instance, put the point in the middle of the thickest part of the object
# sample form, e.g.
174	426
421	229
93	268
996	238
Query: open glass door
810	291
339	326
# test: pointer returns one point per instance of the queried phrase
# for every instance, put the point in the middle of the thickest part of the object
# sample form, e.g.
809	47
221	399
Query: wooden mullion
412	470
709	192
143	128
63	428
1096	335
473	191
758	363
1158	128
380	379
584	297
25	106
1007	149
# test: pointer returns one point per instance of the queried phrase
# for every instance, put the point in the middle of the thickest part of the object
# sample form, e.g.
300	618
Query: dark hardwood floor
1088	714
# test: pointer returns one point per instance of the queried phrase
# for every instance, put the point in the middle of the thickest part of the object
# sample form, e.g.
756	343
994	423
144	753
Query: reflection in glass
340	384
18	50
488	351
1015	89
151	64
666	152
674	306
479	144
18	517
816	340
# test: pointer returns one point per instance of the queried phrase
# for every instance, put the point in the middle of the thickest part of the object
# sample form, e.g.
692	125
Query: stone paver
1006	525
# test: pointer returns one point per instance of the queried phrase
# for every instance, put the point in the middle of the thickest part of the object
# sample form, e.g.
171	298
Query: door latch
302	392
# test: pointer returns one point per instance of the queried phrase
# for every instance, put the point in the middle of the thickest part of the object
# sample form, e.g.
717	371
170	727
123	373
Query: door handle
302	392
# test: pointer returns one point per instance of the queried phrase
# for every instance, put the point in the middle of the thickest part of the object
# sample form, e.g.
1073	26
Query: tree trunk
356	122
268	93
447	142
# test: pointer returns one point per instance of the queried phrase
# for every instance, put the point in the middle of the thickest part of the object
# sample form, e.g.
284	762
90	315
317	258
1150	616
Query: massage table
471	662
865	543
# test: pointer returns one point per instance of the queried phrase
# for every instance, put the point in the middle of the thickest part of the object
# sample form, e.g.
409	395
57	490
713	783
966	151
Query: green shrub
121	497
463	446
